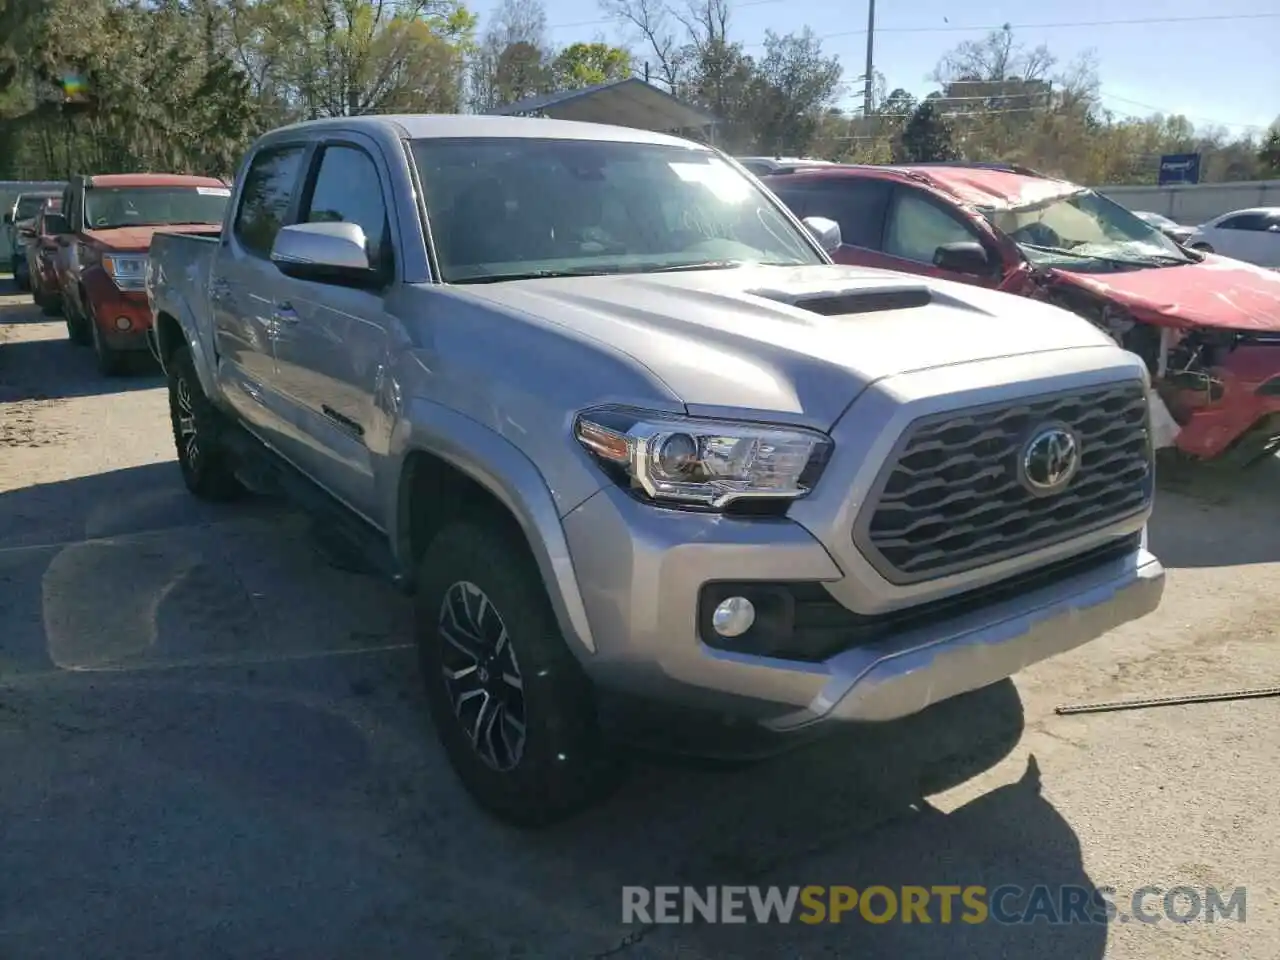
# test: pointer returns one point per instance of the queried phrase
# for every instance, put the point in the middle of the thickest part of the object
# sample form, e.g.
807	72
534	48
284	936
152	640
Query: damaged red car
1207	327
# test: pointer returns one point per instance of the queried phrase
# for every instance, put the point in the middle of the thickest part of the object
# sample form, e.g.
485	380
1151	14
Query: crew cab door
244	285
859	206
333	340
918	224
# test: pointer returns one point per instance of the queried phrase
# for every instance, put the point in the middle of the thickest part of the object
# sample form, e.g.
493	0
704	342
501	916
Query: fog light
123	323
733	617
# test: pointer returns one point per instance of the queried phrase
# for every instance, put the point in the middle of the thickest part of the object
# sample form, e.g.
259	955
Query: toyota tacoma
608	411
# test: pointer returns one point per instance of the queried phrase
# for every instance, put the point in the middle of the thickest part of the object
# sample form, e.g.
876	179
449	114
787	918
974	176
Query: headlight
128	270
709	463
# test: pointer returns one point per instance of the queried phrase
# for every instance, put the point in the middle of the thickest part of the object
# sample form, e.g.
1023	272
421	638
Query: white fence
1196	203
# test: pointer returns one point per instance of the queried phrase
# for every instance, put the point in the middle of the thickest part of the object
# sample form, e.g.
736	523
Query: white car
1250	235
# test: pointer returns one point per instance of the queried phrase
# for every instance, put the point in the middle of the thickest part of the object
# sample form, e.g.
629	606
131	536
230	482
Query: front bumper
1234	402
890	650
123	317
648	566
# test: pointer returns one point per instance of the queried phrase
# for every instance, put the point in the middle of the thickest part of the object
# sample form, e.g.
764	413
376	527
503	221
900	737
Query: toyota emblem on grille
1049	460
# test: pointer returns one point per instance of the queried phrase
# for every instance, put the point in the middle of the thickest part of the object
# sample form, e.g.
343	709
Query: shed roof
626	103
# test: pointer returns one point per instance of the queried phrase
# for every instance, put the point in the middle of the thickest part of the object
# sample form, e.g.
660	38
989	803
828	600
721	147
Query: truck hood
138	239
796	340
1219	292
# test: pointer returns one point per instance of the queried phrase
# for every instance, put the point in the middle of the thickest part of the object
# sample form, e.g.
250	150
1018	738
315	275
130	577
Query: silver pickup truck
638	449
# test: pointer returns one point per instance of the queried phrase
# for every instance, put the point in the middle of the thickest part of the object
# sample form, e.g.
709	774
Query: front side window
917	228
106	208
264	197
1083	230
347	190
503	208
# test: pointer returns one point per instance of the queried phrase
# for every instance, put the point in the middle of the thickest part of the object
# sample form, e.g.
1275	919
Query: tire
111	363
51	306
78	326
198	426
476	571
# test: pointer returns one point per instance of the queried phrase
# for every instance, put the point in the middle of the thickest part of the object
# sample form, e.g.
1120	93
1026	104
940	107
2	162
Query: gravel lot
215	746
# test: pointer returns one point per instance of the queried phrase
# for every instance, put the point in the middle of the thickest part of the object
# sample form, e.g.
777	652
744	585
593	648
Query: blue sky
1216	72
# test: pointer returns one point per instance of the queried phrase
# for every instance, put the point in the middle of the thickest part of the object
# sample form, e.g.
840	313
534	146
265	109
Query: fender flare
506	472
176	307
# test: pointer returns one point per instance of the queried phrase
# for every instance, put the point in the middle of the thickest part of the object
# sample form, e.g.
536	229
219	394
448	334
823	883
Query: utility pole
871	37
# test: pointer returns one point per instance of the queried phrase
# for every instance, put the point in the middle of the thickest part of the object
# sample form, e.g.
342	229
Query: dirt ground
214	746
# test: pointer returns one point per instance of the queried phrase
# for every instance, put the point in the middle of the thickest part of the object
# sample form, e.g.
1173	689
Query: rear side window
857	205
264	199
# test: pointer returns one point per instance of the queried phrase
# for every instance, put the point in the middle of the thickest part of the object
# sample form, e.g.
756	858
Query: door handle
284	313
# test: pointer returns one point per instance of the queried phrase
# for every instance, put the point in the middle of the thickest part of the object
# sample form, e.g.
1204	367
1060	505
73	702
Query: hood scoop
840	303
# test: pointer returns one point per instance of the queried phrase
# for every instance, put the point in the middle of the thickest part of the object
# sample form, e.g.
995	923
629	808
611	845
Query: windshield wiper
535	275
721	265
699	265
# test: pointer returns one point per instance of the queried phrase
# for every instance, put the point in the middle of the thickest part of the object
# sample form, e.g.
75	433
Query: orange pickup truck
110	220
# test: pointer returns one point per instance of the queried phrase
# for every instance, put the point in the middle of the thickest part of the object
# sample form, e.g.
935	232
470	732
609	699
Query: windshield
108	207
28	207
505	208
1085	227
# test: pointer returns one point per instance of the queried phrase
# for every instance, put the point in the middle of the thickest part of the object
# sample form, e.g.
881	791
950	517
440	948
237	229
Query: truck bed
178	277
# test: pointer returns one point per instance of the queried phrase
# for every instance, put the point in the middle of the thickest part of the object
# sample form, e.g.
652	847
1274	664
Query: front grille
950	498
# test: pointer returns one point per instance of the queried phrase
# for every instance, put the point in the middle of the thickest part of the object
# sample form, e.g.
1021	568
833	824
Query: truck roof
152	180
427	126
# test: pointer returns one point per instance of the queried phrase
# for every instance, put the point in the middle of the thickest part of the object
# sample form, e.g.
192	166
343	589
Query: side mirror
56	224
324	253
964	256
8	219
826	232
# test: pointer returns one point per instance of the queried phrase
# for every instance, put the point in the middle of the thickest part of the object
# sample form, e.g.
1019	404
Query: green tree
927	137
589	64
1269	153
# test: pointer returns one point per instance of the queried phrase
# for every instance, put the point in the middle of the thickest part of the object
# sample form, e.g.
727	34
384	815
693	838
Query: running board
348	542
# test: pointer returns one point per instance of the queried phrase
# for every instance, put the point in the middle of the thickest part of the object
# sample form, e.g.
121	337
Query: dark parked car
20	217
42	256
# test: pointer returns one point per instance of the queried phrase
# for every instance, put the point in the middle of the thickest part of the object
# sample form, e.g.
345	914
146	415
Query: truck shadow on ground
1213	517
51	369
314	786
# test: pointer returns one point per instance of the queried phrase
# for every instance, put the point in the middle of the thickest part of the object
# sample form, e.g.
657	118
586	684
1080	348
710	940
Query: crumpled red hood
1219	292
138	239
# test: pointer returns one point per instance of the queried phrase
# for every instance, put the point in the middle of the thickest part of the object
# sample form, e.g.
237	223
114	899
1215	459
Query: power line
977	28
1061	25
1175	113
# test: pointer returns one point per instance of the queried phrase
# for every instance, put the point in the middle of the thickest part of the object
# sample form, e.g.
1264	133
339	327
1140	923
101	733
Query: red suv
1208	327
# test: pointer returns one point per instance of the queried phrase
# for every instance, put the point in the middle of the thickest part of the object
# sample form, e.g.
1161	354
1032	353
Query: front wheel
510	703
207	469
111	363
